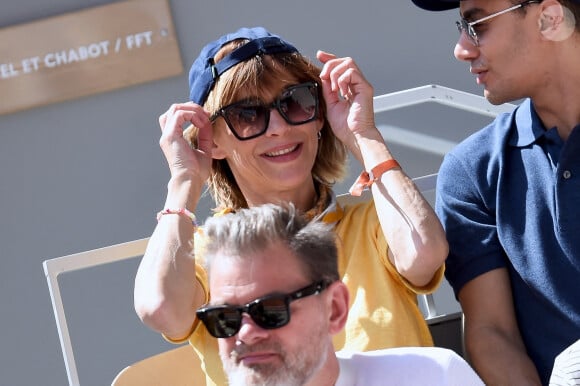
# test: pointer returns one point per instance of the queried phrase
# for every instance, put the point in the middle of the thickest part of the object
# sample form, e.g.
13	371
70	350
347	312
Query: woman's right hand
181	158
167	292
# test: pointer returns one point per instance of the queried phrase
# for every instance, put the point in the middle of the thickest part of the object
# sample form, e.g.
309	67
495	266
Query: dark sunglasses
268	312
249	119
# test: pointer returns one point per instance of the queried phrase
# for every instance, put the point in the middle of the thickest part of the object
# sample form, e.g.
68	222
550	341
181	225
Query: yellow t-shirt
383	305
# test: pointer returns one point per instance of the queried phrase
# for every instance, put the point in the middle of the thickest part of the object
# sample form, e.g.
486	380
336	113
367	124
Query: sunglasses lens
298	105
246	120
272	312
222	322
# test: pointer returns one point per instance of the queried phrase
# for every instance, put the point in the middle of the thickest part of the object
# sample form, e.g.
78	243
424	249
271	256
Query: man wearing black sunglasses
277	300
508	195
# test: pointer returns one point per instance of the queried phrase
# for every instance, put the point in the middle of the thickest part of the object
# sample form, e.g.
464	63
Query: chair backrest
176	367
164	364
181	366
54	267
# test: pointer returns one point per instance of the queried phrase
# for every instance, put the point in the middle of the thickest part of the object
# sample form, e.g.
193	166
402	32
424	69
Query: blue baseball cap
204	72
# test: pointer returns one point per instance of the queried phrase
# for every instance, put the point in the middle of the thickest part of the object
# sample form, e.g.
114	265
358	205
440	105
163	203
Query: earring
319	135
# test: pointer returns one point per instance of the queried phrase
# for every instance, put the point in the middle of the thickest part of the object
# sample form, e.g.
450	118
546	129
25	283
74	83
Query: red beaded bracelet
180	211
365	180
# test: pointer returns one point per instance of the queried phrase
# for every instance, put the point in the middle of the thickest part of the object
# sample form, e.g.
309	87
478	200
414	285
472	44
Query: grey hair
246	231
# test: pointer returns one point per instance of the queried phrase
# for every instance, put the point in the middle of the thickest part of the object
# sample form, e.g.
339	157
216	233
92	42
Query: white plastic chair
115	253
173	364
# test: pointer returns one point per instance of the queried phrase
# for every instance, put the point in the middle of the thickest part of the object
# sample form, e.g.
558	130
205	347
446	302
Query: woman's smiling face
280	160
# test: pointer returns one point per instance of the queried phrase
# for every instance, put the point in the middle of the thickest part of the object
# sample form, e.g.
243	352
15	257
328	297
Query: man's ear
339	299
556	22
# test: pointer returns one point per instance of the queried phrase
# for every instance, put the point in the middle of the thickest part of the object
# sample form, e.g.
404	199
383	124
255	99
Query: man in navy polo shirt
509	195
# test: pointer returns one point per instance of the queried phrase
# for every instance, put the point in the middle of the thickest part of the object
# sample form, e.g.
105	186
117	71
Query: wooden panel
86	52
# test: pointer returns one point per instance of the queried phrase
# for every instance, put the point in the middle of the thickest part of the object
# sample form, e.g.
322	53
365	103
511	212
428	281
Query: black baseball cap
443	5
436	5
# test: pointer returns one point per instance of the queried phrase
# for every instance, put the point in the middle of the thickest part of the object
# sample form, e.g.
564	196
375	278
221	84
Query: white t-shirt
405	366
566	370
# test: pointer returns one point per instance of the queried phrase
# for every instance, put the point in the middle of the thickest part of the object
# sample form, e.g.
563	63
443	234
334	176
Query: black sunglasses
249	119
268	312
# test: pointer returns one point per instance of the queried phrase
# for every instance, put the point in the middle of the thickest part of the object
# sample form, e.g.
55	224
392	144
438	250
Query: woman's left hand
348	96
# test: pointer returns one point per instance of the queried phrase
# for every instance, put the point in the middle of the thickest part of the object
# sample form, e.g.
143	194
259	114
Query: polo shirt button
567	174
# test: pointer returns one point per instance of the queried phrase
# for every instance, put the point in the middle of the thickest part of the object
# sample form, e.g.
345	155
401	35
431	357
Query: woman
267	126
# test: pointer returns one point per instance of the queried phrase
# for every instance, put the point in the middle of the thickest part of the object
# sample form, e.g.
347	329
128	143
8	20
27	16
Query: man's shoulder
399	357
409	366
399	352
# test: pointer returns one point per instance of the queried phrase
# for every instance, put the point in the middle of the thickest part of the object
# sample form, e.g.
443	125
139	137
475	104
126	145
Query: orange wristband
365	180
